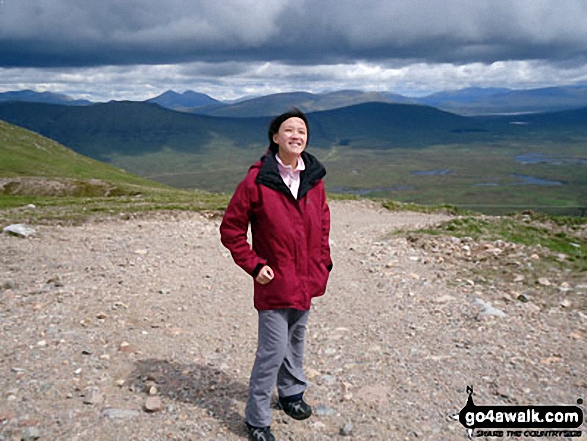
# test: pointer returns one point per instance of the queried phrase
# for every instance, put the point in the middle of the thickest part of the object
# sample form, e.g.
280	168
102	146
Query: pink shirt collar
291	176
288	168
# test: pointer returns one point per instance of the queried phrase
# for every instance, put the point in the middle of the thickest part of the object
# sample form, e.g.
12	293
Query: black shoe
297	409
260	433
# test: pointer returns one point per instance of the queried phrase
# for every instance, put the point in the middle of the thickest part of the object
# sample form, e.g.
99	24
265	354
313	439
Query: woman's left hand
265	275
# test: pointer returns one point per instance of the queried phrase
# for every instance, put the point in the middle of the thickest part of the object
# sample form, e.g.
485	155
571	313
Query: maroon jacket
289	235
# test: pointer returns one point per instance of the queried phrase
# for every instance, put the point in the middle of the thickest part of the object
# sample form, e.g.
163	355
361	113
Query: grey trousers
279	361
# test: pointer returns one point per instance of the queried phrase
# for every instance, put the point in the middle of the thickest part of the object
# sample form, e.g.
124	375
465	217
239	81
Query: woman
283	199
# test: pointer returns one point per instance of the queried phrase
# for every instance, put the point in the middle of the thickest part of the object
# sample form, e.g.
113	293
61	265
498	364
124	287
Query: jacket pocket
318	278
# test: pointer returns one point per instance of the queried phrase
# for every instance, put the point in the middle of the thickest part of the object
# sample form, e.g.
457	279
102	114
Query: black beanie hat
276	124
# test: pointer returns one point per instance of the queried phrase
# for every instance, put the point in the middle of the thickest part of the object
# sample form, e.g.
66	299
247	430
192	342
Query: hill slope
384	126
67	186
25	155
125	127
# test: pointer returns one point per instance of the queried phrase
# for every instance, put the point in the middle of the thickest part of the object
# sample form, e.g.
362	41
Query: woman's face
291	137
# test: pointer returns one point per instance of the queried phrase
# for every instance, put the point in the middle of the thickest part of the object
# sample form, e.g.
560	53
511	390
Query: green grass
560	235
76	210
409	206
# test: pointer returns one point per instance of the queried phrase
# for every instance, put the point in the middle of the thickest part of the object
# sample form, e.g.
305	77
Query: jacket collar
269	174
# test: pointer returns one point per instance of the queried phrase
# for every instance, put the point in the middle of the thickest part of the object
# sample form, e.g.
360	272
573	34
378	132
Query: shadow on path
205	386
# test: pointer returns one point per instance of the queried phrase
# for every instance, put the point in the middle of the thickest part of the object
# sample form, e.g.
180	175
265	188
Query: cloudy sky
136	49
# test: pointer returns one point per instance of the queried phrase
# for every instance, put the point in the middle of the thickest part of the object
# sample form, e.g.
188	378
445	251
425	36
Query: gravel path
144	329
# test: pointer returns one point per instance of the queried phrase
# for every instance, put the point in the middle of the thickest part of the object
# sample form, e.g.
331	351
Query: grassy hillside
386	126
65	185
126	127
27	154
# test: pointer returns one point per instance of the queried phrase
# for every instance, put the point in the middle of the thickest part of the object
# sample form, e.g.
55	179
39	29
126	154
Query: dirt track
98	318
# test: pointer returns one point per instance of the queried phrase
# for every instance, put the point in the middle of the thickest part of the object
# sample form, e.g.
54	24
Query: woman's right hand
265	275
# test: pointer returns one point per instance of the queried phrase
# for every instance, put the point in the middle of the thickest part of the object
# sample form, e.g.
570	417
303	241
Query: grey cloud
455	30
72	32
222	69
110	32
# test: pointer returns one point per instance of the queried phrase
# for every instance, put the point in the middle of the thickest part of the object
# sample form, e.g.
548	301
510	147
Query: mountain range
31	96
275	104
468	101
135	128
505	101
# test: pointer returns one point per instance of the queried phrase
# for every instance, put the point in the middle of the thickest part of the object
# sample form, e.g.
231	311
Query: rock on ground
100	320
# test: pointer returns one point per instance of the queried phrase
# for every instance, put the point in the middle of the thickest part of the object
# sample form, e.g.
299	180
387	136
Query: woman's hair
276	124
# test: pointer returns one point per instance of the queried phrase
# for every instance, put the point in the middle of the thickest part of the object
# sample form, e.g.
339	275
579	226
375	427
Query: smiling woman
283	199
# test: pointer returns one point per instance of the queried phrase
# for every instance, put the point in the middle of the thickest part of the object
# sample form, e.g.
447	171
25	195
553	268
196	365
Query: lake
539	158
